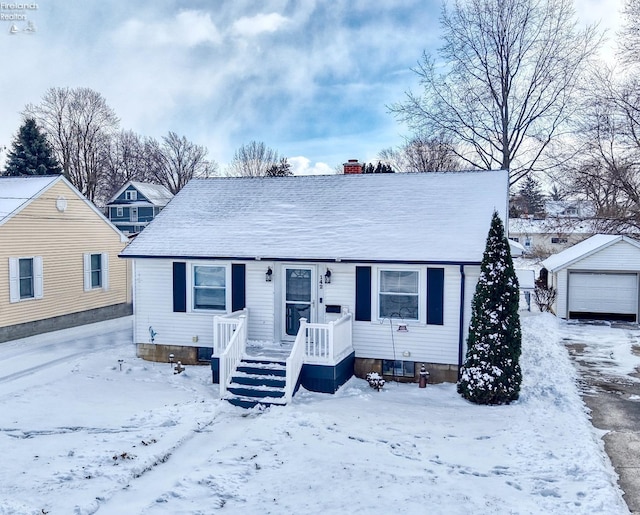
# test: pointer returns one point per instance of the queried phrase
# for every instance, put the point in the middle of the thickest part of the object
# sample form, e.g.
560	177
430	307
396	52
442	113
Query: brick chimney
352	167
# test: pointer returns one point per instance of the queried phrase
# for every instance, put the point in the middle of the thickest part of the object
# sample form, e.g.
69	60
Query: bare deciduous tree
629	37
127	157
79	124
422	154
505	88
177	161
253	159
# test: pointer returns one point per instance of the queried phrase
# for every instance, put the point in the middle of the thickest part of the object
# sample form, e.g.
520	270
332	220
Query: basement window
398	368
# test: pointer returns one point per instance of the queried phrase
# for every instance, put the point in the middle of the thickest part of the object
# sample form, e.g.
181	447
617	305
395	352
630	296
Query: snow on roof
157	194
551	225
388	217
17	192
582	250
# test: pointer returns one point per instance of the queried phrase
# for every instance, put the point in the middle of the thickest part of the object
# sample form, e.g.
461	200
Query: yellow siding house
59	263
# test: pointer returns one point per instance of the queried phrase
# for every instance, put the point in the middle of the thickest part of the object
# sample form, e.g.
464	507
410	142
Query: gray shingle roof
386	217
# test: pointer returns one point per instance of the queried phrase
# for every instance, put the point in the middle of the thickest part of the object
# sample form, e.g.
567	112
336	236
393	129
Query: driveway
606	357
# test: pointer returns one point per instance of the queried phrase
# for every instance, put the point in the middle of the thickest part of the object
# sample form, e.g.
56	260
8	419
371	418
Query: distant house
598	278
546	236
58	259
372	273
136	204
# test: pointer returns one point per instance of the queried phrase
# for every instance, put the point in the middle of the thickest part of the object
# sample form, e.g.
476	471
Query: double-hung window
131	195
25	278
398	293
96	271
25	269
210	287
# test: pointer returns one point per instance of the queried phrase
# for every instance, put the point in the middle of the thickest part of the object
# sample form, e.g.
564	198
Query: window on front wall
131	195
398	294
210	287
119	212
559	240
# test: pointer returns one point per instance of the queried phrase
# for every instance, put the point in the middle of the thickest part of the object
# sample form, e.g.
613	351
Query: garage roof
583	249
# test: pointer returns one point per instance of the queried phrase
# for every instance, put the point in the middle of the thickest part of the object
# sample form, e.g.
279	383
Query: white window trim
119	212
191	285
14	279
422	293
87	271
131	195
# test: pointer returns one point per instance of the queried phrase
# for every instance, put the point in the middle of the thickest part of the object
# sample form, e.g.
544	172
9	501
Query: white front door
134	214
299	296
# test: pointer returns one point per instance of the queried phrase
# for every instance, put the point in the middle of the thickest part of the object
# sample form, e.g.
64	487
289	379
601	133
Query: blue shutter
179	287
435	296
238	288
363	293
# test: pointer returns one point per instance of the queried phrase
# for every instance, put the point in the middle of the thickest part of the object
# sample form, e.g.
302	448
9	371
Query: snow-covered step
257	381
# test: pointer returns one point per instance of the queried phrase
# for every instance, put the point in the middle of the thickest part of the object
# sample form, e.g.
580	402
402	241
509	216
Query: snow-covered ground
81	433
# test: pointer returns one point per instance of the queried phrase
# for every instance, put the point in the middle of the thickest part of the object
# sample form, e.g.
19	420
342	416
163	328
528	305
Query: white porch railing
295	360
317	344
223	328
233	353
328	343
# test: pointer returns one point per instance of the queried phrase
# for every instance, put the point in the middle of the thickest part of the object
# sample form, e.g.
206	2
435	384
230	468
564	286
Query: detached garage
597	278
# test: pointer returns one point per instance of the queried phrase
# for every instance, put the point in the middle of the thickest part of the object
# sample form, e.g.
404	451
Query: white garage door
603	293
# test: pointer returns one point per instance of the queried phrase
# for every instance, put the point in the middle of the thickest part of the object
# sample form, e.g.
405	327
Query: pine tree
31	153
532	196
491	372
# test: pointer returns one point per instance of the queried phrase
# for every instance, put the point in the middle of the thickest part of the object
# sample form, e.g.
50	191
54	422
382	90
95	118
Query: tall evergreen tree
31	153
491	372
532	196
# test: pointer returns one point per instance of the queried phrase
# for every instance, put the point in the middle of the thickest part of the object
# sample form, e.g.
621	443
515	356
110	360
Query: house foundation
438	373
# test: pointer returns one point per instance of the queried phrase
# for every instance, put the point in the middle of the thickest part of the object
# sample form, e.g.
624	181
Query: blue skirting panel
327	379
316	378
215	370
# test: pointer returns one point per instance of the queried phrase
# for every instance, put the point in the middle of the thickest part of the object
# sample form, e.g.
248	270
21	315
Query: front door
299	299
134	214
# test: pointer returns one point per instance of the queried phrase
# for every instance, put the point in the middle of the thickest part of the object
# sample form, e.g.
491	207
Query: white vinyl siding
25	278
96	271
423	343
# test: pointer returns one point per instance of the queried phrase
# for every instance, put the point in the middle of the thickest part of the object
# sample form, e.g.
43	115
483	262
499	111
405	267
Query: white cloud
187	29
301	165
254	25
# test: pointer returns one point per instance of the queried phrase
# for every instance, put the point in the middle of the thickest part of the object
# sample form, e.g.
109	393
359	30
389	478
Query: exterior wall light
327	277
402	328
268	275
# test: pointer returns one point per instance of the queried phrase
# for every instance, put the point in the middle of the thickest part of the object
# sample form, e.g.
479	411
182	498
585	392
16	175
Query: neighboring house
59	263
136	204
543	237
597	278
569	209
381	267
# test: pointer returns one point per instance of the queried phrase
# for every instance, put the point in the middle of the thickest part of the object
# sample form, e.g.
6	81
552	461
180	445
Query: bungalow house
58	259
597	278
372	273
135	204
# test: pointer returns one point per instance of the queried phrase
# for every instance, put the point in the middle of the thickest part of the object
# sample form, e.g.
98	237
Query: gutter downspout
461	321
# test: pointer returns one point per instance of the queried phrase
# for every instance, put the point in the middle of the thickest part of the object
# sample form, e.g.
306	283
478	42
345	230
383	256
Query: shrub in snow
544	297
375	380
491	371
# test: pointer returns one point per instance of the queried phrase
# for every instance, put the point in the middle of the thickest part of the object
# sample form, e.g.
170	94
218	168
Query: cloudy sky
310	78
